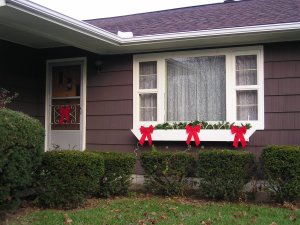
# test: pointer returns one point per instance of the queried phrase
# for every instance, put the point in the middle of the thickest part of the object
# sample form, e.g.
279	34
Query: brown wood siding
20	71
110	94
109	105
282	97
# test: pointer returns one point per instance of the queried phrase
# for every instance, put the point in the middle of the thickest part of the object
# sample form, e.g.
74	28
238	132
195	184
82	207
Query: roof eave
89	37
249	30
63	20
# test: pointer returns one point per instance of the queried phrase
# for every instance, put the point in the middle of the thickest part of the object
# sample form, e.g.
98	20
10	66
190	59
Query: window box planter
204	135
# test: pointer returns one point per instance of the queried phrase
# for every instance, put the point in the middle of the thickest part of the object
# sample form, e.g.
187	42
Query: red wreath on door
64	113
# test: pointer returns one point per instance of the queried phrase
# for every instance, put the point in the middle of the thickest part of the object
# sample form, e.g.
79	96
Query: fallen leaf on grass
273	223
141	222
219	216
67	220
253	220
151	221
292	217
172	208
239	214
290	206
115	210
164	216
118	217
206	222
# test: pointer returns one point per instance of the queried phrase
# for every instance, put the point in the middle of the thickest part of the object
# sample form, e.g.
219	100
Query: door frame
82	61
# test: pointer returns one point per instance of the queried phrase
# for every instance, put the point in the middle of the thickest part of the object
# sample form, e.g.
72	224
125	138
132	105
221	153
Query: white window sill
204	135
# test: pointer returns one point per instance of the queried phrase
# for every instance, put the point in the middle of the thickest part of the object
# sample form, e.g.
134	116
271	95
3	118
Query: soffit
35	31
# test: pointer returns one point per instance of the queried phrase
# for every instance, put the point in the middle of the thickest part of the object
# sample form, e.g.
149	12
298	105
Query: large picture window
209	85
195	88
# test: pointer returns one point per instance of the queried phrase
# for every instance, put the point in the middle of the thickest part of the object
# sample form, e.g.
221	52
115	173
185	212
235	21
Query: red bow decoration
239	135
193	132
146	133
64	113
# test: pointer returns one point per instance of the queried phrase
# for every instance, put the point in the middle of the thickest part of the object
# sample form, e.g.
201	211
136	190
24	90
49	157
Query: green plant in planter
204	125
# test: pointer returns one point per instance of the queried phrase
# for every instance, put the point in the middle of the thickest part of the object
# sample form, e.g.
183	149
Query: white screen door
66	106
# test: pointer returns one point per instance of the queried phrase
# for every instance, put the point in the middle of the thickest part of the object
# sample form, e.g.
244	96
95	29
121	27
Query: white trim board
231	87
204	135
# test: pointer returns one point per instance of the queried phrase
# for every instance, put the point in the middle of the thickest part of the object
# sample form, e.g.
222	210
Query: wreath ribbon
239	135
64	113
146	133
193	132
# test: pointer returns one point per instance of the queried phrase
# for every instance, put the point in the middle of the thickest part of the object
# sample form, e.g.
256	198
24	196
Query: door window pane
148	75
247	105
246	70
66	81
196	88
148	107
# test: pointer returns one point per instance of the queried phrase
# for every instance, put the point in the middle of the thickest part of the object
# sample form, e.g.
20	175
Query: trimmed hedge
118	169
223	173
281	168
165	172
21	148
68	177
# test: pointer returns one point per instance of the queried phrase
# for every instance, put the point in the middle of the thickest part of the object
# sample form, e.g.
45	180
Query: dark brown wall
21	72
109	99
109	94
282	97
109	105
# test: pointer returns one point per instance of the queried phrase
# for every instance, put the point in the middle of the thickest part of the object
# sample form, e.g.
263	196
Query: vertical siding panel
282	96
109	105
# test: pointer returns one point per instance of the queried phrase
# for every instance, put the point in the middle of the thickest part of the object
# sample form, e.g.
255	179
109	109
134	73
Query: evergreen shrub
68	177
166	172
281	169
118	168
223	173
21	149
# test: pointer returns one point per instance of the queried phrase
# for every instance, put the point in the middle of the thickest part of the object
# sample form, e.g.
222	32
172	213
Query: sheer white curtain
246	75
148	82
148	75
246	105
196	88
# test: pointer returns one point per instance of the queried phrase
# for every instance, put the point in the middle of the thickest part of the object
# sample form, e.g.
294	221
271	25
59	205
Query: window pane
246	105
246	70
148	107
196	89
148	75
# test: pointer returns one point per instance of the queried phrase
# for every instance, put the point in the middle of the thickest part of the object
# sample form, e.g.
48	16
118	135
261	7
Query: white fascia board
68	22
2	3
249	30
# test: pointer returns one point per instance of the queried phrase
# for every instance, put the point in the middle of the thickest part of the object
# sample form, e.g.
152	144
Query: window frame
231	87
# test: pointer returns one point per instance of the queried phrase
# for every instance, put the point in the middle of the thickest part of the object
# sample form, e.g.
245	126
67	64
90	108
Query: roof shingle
204	17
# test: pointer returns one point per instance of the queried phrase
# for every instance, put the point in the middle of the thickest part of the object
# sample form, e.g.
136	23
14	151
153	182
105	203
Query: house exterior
92	89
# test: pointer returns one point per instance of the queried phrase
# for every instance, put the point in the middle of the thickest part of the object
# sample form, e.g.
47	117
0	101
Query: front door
66	111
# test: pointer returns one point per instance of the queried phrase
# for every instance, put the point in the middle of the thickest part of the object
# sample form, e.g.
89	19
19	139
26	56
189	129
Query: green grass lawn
155	210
